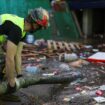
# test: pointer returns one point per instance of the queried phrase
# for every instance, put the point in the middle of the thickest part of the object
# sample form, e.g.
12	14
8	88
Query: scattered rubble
45	57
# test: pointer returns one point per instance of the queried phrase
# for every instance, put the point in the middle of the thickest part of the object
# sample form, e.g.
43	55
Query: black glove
19	75
2	76
11	89
2	73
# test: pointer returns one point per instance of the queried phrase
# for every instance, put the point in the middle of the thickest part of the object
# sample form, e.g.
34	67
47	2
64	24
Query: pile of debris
63	58
60	59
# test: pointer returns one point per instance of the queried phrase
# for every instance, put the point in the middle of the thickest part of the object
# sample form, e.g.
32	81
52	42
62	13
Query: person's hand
11	89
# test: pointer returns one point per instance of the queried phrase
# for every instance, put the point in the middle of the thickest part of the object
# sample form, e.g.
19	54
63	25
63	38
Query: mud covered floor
79	92
64	94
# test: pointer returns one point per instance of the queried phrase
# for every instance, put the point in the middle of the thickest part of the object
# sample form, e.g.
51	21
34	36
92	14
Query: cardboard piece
99	99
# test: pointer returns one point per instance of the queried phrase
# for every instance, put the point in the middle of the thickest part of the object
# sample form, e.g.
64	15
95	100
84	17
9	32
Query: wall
65	25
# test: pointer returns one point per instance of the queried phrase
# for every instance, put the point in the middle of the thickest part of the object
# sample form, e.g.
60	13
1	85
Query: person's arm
18	59
10	63
13	33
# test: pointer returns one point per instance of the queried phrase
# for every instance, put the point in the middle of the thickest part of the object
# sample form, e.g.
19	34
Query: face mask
35	30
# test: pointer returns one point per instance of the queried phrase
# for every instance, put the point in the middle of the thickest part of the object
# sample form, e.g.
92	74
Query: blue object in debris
32	69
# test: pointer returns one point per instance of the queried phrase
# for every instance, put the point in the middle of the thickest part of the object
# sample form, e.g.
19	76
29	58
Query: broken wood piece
54	45
42	53
72	46
29	55
60	45
77	45
49	46
29	46
66	46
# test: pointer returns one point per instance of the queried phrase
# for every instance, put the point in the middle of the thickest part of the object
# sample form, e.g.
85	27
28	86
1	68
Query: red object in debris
97	57
99	92
78	88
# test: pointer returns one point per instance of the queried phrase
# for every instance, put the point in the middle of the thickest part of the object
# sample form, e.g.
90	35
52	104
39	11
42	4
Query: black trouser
2	65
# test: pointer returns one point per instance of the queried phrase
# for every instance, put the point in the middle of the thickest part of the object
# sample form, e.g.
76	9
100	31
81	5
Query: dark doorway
79	15
98	27
98	21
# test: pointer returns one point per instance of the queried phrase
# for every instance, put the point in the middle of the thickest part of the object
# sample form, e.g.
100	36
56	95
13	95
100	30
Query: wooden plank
60	45
66	46
54	45
49	45
77	45
72	46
